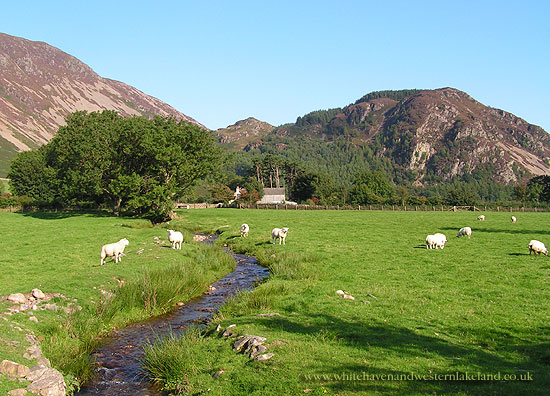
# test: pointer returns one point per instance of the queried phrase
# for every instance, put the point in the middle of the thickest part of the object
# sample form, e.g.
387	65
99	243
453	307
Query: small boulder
348	297
17	298
12	369
257	350
240	343
50	383
264	357
38	294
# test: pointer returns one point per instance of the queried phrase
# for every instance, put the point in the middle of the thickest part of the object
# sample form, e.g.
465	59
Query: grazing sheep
436	241
537	247
514	219
279	233
430	242
175	238
441	240
244	230
481	217
464	231
115	250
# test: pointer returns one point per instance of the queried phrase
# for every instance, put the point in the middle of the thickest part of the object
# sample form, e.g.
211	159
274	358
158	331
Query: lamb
537	247
279	233
514	219
115	250
244	230
436	241
464	231
175	238
481	217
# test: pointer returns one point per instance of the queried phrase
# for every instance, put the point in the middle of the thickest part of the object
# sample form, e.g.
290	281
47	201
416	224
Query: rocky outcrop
243	132
433	135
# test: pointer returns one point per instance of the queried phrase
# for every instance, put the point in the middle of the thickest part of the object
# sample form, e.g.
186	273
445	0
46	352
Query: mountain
40	85
243	132
421	137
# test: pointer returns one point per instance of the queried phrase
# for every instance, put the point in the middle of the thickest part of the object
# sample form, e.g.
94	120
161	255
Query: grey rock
36	372
17	298
240	343
228	333
269	314
264	357
253	342
38	294
33	319
49	383
257	350
35	351
217	374
42	361
12	369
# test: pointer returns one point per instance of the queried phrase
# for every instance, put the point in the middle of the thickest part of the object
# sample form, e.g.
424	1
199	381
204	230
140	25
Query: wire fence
402	208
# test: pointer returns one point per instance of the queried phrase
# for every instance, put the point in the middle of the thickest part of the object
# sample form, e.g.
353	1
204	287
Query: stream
117	361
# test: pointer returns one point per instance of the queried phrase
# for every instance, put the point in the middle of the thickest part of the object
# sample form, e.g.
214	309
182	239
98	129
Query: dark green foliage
395	95
314	186
538	189
462	196
128	164
371	188
321	117
30	176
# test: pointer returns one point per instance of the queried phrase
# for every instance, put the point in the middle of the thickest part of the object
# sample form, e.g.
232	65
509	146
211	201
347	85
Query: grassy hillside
478	306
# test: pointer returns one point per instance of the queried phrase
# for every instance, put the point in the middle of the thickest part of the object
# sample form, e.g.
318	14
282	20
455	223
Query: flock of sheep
438	240
116	250
435	241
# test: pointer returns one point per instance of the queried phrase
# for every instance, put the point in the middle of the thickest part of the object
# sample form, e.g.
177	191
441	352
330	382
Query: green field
478	306
60	253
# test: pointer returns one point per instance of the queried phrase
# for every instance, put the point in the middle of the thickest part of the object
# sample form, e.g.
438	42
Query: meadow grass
59	253
481	305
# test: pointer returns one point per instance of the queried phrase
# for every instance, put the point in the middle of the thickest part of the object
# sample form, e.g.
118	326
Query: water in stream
118	367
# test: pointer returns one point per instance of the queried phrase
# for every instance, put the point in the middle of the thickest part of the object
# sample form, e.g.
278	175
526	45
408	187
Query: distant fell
40	85
418	136
243	132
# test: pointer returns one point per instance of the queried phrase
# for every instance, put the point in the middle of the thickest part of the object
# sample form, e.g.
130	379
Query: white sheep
175	238
244	230
115	250
537	247
436	241
514	219
464	231
430	241
441	240
481	217
279	233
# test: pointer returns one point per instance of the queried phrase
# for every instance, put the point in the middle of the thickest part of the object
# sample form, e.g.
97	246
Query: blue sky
222	61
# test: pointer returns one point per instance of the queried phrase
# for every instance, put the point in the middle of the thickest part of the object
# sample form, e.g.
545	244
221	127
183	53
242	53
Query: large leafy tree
30	176
131	164
371	188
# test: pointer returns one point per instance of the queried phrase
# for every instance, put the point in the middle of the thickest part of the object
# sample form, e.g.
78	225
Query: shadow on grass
63	215
407	346
501	230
